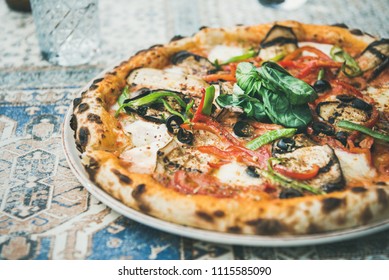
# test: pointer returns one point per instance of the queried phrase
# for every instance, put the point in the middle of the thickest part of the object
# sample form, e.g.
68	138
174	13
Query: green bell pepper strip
269	137
151	98
208	100
363	129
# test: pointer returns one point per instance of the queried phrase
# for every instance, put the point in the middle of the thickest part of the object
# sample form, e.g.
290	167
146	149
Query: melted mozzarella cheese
325	48
147	139
355	166
222	53
145	133
235	174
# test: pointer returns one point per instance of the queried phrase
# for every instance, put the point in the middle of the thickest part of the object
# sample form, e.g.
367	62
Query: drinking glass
283	4
68	31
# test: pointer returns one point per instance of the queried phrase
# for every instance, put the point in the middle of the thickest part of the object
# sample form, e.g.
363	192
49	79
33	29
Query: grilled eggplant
192	64
300	153
375	58
345	107
280	40
156	79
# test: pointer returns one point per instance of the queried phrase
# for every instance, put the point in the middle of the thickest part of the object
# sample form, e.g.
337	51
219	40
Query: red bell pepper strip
305	175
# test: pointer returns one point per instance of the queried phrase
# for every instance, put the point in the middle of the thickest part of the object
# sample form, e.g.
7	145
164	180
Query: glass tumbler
68	31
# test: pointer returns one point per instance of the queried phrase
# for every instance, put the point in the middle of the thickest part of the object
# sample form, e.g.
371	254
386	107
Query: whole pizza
273	129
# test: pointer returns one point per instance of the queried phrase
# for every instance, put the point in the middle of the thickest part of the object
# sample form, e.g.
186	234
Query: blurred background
130	25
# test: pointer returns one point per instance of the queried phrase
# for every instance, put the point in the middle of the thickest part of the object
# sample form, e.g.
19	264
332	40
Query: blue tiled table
44	211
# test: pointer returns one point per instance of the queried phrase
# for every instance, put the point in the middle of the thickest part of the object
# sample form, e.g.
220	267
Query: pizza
274	129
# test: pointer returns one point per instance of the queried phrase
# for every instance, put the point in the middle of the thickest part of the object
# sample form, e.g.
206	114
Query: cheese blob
147	139
235	174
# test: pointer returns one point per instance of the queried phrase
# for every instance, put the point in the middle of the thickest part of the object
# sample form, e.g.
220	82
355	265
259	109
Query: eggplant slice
279	40
375	58
333	111
301	153
177	156
192	64
156	79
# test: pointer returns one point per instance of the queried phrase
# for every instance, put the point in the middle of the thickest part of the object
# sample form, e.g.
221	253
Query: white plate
73	158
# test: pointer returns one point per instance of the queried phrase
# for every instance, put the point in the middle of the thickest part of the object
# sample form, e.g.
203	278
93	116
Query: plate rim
72	158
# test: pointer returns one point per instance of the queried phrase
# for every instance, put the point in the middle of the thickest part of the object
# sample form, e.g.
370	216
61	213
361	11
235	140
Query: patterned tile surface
44	211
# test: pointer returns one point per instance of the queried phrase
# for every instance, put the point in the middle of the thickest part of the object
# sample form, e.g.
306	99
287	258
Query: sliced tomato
306	175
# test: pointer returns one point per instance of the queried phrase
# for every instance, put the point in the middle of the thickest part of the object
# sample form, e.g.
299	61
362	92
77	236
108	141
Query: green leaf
282	112
252	107
279	80
269	137
248	78
350	66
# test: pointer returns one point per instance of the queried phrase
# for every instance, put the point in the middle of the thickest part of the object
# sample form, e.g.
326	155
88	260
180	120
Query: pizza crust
98	135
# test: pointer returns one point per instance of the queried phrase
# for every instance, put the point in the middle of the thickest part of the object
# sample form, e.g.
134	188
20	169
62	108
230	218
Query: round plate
73	158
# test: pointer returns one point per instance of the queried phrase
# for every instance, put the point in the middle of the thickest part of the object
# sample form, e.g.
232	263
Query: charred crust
266	226
144	208
204	216
382	197
341	25
330	204
99	100
381	183
92	168
84	92
83	107
123	178
83	136
203	27
94	118
234	229
356	32
358	189
314	228
219	213
366	215
97	81
176	38
93	87
76	102
138	191
73	122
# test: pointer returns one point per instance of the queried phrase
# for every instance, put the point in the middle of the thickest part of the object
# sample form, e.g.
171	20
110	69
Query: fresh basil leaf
278	79
350	67
252	107
248	78
281	111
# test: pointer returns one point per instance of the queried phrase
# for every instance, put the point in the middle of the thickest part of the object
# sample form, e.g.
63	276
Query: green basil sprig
278	79
350	67
248	78
272	92
252	107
